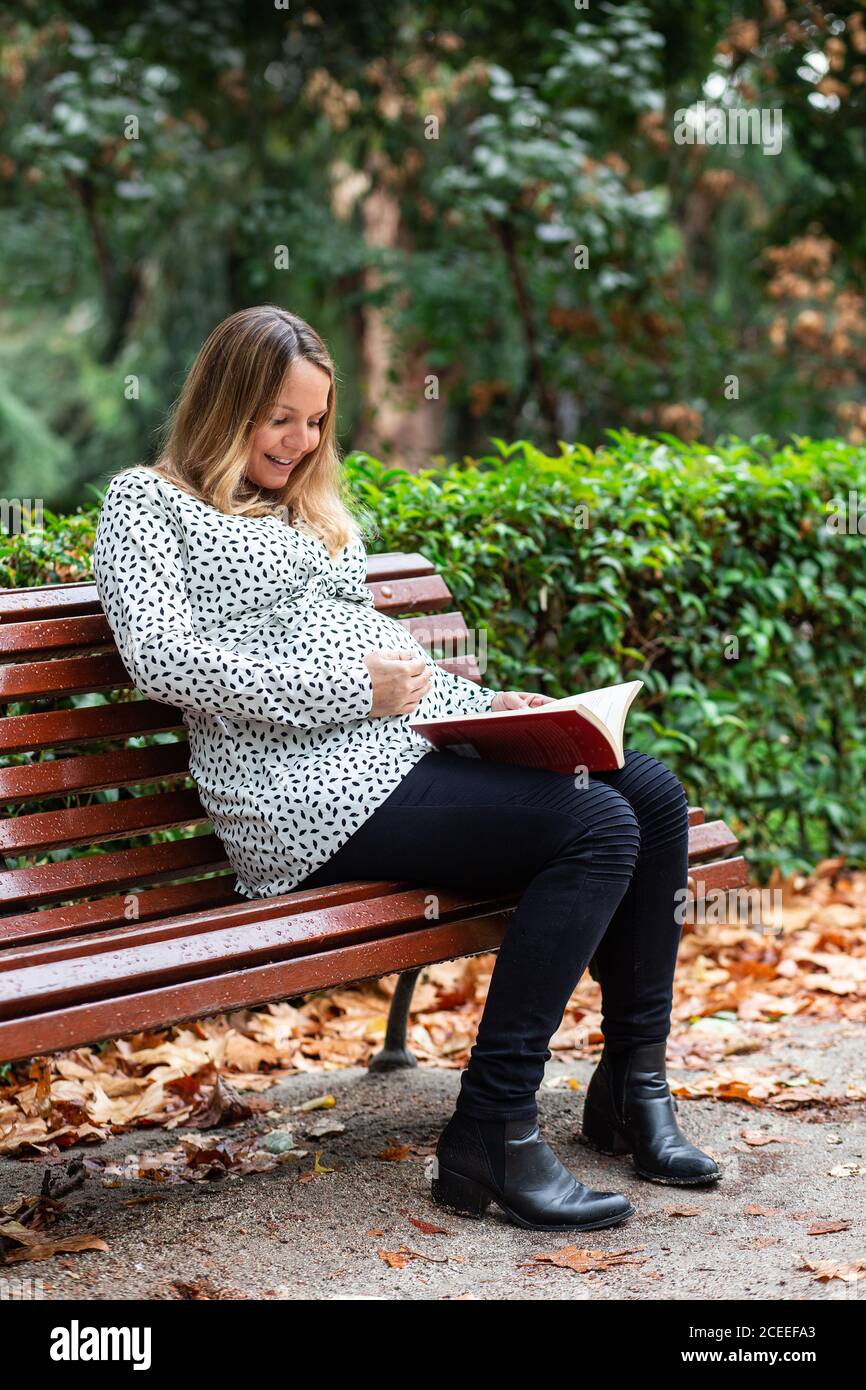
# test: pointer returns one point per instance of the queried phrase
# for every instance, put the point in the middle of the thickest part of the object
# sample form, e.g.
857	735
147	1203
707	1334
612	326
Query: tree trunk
399	423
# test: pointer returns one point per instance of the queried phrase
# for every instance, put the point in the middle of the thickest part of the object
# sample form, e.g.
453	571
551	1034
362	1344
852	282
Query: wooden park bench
119	935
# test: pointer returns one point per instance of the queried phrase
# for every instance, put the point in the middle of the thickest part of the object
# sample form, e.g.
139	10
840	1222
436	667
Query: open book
581	731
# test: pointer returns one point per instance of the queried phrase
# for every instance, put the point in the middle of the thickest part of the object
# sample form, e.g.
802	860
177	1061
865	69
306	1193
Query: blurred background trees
484	209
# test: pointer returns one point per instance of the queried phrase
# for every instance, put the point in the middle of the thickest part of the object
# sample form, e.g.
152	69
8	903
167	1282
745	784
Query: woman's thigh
467	822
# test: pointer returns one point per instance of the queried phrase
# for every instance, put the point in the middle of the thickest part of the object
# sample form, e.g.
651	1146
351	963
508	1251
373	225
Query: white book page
607	707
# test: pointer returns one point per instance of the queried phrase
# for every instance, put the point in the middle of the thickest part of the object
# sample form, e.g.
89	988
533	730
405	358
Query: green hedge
710	573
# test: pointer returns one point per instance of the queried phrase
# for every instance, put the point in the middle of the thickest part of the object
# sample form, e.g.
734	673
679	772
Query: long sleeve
138	566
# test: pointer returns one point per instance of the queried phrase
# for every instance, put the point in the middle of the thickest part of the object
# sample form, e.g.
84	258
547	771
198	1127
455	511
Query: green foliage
709	573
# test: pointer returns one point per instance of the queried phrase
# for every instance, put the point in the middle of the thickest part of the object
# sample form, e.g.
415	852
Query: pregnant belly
326	632
321	633
341	631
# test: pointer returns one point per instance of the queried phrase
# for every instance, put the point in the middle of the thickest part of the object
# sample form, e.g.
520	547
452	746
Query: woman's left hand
518	699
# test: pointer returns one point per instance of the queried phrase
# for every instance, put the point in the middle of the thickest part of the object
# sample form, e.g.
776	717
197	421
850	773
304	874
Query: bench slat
24	733
92	825
157	904
88	873
93	772
461	666
424	595
54	923
111	964
711	838
722	873
75	675
212	927
32	1035
47	635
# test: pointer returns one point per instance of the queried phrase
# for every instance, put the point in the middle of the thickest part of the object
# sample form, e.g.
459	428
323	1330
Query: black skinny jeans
601	864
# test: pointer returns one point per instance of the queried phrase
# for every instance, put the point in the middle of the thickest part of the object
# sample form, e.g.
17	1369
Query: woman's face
292	428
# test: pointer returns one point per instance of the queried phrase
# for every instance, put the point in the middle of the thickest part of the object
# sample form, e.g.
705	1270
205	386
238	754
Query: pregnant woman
232	576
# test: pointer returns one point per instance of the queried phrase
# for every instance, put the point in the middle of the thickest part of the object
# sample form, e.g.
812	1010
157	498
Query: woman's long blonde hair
228	394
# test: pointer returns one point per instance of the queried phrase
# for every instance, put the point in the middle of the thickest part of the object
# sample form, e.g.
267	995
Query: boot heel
600	1134
459	1194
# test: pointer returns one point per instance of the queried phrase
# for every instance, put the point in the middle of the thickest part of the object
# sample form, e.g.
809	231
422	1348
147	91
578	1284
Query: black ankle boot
507	1162
629	1109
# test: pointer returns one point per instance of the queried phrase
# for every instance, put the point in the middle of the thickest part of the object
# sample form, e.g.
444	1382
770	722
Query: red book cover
582	731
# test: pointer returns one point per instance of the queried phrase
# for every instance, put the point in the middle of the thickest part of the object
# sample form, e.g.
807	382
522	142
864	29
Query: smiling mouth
278	462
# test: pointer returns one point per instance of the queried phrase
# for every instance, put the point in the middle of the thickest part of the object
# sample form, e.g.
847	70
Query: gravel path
285	1234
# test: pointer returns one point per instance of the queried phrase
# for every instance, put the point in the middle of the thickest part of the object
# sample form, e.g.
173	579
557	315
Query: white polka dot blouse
250	628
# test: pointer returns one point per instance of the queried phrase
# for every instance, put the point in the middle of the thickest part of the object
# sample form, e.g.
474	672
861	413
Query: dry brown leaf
397	1153
427	1229
225	1107
851	1271
828	867
582	1261
43	1249
757	1138
397	1259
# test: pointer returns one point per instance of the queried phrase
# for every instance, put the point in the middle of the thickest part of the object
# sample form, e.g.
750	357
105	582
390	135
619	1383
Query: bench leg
395	1054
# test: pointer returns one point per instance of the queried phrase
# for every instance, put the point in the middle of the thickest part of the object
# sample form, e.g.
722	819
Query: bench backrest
92	769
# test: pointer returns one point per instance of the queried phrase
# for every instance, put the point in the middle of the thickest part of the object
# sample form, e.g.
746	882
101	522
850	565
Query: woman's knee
658	798
604	827
657	775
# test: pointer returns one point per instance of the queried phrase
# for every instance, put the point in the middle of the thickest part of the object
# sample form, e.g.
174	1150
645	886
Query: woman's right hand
400	680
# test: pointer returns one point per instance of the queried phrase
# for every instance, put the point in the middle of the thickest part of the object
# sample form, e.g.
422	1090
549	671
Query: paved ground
281	1234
